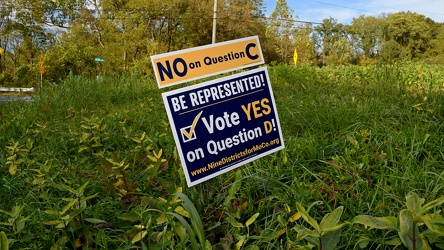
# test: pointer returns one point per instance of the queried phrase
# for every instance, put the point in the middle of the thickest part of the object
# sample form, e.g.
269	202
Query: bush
6	80
24	76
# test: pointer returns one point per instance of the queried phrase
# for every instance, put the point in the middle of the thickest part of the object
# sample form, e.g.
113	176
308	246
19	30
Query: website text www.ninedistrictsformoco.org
234	157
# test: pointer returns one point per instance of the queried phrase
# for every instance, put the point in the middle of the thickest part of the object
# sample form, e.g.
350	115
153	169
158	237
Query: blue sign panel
222	124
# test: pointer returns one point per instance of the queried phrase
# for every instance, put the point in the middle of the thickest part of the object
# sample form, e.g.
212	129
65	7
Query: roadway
9	98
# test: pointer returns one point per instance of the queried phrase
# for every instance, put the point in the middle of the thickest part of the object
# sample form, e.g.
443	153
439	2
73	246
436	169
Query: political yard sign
224	123
194	63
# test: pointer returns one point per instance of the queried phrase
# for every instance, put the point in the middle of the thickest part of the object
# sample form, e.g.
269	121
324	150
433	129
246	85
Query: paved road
9	98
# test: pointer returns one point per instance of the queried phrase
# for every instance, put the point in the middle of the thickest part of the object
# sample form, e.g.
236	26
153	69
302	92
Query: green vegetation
91	164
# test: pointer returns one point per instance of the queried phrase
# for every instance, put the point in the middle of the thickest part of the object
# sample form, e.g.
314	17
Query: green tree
326	35
280	33
5	14
127	32
411	31
124	33
241	18
436	52
198	22
28	28
304	45
341	53
366	36
390	52
235	19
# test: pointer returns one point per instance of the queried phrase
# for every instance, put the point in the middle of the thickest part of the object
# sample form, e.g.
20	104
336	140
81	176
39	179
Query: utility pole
214	21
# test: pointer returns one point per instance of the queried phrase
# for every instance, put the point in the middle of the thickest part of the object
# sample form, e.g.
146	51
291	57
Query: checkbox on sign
189	133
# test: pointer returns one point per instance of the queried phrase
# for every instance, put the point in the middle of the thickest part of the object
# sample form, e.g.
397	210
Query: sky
345	10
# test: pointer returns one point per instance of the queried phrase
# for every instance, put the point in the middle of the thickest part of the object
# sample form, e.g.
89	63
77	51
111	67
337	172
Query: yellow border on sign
190	64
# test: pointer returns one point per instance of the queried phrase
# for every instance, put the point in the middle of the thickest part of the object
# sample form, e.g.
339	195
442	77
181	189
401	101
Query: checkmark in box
189	133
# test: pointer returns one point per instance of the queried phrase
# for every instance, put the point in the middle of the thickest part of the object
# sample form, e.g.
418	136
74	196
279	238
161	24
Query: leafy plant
74	220
77	203
4	244
242	239
16	220
17	156
196	221
160	224
116	173
326	234
415	226
93	134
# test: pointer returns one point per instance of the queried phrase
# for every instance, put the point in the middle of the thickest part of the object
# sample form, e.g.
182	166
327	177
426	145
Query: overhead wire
167	14
397	9
369	11
340	6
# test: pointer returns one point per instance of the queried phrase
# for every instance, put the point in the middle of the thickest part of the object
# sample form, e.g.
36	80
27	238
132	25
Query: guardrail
16	97
26	90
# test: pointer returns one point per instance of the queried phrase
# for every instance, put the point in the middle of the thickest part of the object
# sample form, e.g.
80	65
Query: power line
340	6
368	11
397	9
164	13
167	14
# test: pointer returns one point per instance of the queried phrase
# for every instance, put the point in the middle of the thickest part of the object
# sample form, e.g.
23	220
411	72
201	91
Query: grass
358	137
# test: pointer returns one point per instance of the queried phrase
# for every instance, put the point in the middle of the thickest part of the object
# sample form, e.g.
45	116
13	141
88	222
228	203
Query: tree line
70	34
